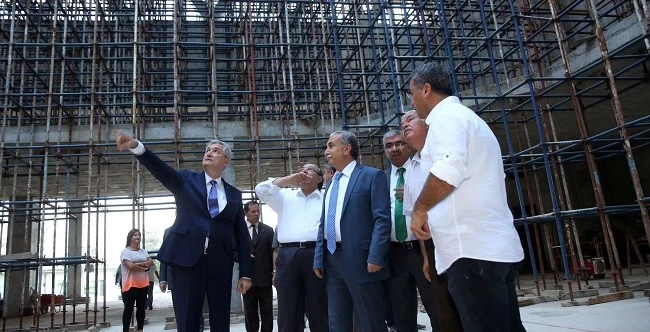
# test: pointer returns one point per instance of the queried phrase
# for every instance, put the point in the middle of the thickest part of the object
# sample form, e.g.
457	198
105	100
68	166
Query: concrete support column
20	284
236	302
74	248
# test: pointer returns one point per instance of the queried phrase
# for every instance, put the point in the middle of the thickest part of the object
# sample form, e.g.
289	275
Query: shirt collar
248	224
450	99
317	192
208	179
347	170
406	167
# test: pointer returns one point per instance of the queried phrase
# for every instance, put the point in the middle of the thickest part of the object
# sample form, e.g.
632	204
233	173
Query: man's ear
347	149
426	89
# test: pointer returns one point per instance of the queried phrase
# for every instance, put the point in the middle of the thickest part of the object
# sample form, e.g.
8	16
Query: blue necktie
213	201
330	234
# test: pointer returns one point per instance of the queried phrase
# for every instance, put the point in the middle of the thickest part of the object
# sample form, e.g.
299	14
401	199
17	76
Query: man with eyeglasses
298	201
405	249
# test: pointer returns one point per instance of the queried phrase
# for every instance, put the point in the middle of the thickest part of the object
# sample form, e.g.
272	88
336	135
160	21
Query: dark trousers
447	316
345	296
137	297
150	296
485	295
388	305
406	276
258	298
298	288
191	286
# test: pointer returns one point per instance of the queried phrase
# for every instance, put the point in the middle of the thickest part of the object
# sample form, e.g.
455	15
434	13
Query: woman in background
135	282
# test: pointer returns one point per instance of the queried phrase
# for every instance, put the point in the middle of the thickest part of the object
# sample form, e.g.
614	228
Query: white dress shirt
221	192
250	229
393	185
343	186
298	215
474	221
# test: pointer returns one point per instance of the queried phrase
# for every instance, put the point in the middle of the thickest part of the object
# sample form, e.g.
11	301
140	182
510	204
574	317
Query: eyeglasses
398	144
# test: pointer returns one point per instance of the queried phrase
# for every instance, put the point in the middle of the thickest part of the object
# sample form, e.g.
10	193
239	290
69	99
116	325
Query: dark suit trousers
485	294
405	277
295	280
344	295
190	289
259	298
447	316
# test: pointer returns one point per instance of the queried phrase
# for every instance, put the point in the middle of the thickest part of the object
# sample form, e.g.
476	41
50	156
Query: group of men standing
338	245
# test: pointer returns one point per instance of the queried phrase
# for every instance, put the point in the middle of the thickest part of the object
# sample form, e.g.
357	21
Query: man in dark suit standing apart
260	295
405	249
353	238
209	214
298	201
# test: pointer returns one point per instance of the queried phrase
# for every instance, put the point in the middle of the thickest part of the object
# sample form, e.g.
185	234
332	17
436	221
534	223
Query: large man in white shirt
404	250
298	201
464	202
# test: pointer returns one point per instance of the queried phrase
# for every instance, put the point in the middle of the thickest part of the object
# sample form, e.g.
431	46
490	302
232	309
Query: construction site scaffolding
563	85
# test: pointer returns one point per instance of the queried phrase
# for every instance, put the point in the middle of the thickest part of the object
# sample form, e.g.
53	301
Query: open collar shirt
298	215
474	221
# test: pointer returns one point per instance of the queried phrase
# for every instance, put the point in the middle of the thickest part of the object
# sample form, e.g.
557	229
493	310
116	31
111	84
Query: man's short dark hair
248	204
350	139
435	75
389	134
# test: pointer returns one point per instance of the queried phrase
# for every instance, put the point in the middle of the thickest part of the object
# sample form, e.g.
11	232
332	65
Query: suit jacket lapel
200	183
230	198
353	179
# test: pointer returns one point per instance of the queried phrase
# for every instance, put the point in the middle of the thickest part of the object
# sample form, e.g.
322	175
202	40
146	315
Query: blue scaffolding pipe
549	178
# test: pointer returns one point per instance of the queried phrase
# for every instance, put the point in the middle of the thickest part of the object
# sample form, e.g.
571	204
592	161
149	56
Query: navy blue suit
195	274
365	232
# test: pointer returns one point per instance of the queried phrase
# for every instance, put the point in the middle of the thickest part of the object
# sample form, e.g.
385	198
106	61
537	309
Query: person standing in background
153	272
405	249
135	283
260	295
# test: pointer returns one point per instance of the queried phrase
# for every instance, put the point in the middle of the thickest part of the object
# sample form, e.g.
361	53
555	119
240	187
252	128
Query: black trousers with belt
298	288
406	279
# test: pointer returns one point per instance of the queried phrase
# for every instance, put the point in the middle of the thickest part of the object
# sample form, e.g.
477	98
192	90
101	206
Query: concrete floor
624	315
628	315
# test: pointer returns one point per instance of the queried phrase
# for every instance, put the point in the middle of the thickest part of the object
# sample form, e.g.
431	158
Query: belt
302	245
338	245
406	245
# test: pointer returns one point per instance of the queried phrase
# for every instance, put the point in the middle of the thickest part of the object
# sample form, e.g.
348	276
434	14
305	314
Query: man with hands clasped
353	238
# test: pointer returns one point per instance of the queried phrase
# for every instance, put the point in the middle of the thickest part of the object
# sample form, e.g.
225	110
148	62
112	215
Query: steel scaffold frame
274	78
